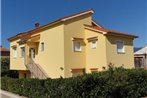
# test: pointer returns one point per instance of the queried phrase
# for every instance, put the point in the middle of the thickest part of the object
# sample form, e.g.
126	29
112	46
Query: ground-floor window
78	71
94	70
24	74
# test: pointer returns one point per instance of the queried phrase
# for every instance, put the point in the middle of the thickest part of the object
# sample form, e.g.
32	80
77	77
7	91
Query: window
120	47
94	70
22	51
42	46
77	46
77	72
93	45
14	52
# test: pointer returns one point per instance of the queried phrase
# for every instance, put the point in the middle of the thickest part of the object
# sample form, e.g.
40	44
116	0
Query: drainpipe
145	60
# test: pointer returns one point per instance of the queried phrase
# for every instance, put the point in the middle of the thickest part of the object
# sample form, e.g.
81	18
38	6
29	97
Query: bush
113	83
5	69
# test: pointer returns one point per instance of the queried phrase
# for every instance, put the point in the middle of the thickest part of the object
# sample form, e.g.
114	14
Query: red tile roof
3	49
109	31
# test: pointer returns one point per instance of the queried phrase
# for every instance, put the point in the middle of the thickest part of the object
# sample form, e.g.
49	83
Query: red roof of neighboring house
109	31
4	49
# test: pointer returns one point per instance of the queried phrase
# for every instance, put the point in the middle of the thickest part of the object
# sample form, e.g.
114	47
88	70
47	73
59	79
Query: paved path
5	94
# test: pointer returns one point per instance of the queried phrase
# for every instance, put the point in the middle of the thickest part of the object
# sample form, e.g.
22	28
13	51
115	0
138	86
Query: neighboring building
69	46
137	48
5	53
140	58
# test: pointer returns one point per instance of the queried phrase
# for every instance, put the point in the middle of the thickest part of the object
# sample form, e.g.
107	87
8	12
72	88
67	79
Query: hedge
113	83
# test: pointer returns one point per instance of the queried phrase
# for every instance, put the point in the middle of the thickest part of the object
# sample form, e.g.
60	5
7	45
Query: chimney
37	25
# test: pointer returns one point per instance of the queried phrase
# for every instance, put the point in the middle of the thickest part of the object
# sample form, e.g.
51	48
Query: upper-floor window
120	46
77	46
22	49
42	46
93	44
14	52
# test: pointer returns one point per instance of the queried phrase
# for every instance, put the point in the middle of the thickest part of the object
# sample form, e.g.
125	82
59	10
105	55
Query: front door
32	53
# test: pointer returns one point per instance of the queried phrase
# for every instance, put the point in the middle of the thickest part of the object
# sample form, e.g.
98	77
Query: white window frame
93	44
74	46
22	52
14	52
42	46
117	46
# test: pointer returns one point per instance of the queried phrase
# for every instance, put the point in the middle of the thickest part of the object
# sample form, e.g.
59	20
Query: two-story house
70	46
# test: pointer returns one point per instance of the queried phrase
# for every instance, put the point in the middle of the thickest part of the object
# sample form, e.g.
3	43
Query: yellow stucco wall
95	58
74	28
52	58
18	62
126	58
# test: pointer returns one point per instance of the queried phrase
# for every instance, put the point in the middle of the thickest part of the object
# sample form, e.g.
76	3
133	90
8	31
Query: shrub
113	83
5	69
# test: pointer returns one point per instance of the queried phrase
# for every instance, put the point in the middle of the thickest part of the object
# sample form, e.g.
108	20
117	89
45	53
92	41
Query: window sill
120	52
77	51
93	48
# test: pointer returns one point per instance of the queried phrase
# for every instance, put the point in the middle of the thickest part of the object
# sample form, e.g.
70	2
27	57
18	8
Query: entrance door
32	53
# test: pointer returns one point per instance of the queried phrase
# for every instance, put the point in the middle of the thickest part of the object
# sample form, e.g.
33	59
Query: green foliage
113	83
5	64
5	69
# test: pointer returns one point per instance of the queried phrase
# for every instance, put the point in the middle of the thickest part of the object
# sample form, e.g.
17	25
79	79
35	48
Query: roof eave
40	28
96	24
126	35
100	31
71	17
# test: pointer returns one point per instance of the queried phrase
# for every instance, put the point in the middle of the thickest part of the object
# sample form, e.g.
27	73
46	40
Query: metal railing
35	69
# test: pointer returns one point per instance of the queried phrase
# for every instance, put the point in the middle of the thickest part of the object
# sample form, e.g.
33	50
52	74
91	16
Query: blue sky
122	15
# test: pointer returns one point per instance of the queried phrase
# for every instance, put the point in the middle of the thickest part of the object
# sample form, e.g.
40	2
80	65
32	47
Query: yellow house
70	46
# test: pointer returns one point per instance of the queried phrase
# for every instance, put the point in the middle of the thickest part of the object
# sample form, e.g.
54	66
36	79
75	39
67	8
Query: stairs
36	69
